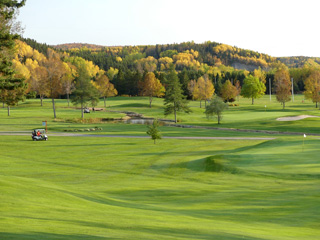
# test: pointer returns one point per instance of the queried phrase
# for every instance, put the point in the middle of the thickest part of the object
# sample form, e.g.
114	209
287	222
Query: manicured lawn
128	188
109	188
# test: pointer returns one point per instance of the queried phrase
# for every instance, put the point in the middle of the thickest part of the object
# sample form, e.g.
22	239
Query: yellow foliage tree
151	87
205	89
105	87
312	87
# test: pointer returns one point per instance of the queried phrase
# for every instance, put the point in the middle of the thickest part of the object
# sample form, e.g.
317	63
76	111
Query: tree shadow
48	236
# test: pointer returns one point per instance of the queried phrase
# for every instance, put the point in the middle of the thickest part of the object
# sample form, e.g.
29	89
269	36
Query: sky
275	27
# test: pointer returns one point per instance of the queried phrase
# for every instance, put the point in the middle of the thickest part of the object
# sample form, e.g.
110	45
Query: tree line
57	74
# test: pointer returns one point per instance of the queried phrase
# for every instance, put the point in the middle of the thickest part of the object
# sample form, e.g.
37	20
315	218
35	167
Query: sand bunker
294	118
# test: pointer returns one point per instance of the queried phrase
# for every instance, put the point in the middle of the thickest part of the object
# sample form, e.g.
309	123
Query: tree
38	81
174	100
12	85
193	89
205	88
252	88
215	108
282	86
228	92
105	88
85	92
153	130
68	79
55	73
312	87
151	87
238	87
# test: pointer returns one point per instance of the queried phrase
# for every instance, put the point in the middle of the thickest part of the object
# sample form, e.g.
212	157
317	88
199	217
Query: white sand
294	118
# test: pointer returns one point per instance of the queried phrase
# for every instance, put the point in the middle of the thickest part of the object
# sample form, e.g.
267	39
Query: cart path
131	136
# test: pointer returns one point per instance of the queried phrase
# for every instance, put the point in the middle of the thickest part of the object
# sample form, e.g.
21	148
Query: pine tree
85	92
153	131
12	86
174	100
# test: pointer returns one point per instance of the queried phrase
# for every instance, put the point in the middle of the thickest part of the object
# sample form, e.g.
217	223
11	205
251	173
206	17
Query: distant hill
69	46
300	61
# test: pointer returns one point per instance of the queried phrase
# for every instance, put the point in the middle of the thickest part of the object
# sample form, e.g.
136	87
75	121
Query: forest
220	62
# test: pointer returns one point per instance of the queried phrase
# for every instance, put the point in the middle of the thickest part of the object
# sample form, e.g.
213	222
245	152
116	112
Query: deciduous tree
282	86
151	87
55	73
252	88
215	108
312	87
205	89
105	87
228	92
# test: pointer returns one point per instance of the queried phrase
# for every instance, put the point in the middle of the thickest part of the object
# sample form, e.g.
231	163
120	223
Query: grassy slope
111	188
79	188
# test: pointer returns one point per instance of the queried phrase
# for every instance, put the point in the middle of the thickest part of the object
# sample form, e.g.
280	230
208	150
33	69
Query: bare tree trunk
8	110
252	101
54	108
82	114
104	100
150	101
283	104
200	103
175	113
68	99
41	98
2	104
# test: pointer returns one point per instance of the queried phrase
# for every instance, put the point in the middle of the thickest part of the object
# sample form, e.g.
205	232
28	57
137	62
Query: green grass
103	188
29	115
128	188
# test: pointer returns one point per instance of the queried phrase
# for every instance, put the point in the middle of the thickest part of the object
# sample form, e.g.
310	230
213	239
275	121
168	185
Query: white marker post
304	136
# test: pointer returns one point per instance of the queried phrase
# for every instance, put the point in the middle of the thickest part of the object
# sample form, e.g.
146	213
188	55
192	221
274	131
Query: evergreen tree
12	86
153	131
184	80
174	100
85	92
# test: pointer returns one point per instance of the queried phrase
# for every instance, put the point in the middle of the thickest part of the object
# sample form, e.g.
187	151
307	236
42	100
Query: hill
210	53
70	46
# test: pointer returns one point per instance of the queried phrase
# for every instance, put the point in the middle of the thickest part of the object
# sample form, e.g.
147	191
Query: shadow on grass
48	236
134	105
157	232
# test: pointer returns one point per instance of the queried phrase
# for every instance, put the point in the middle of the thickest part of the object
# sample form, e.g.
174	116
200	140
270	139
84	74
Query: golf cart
39	134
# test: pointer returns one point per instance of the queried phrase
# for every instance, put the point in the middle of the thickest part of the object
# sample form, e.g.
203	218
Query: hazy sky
274	27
